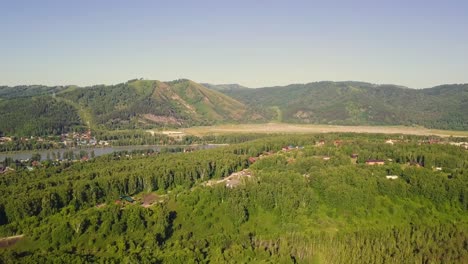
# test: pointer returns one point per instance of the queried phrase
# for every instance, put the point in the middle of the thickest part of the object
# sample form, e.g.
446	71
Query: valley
206	132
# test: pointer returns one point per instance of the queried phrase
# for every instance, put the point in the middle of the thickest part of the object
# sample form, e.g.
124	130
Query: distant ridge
26	110
225	87
360	103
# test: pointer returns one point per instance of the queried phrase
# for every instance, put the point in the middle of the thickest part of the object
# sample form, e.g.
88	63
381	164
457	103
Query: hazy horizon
417	44
240	84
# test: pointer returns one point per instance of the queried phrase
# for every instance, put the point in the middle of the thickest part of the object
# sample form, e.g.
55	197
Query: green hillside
143	103
358	103
134	104
183	103
37	116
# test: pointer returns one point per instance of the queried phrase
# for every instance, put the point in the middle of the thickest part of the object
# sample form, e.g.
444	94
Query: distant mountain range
359	103
40	110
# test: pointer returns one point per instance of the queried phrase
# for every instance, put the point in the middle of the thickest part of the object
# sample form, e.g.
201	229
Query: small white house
392	177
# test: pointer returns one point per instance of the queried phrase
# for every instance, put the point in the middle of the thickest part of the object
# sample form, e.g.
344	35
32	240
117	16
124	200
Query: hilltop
143	103
133	104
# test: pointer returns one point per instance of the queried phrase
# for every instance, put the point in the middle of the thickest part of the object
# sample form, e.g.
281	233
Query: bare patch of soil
162	119
10	241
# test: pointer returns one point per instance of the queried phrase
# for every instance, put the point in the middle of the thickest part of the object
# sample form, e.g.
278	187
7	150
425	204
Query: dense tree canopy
305	202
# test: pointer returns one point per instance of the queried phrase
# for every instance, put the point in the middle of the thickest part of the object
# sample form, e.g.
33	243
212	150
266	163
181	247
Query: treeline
38	116
126	138
18	144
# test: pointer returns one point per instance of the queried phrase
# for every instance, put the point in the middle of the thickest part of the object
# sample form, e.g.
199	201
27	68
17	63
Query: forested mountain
302	199
134	104
141	103
38	116
358	103
182	103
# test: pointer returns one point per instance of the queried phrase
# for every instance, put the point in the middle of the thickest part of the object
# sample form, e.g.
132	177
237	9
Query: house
389	141
68	142
416	164
126	198
5	139
326	158
103	143
354	155
252	160
375	162
337	143
189	149
320	143
438	168
460	144
392	177
288	148
87	135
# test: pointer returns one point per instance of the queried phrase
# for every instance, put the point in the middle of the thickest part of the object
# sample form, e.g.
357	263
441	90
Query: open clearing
274	128
10	241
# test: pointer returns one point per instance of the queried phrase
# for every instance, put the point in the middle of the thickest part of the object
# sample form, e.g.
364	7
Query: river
98	151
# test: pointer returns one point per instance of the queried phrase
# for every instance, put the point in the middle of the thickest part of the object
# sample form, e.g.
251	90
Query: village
75	139
238	178
65	140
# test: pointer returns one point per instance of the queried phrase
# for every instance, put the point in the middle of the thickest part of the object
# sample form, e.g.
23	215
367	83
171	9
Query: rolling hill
134	104
144	103
40	110
359	103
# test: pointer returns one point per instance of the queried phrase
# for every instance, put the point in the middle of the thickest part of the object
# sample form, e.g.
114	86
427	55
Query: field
302	129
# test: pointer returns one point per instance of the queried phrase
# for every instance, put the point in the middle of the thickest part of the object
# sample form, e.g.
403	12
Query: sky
258	43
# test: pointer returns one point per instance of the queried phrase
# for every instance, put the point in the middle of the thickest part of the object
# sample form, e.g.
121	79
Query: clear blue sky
255	43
